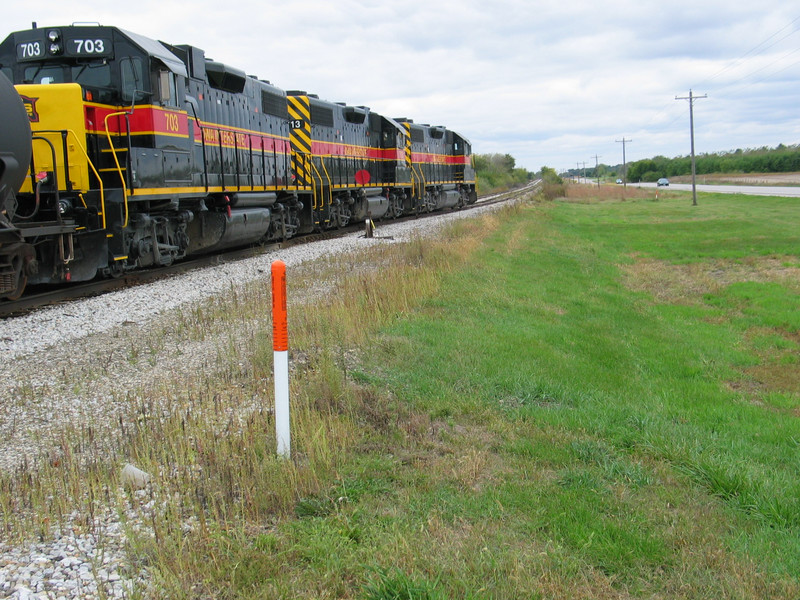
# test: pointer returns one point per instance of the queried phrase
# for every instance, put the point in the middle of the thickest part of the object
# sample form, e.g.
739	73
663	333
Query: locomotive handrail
250	156
35	185
330	181
221	158
119	170
192	103
421	178
413	180
314	187
236	162
88	162
96	174
263	162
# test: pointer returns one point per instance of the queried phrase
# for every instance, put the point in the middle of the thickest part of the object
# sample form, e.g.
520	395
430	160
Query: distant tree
552	185
497	172
480	162
550	176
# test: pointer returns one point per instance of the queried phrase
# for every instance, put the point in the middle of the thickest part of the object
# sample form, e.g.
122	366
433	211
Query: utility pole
584	170
596	169
624	162
691	100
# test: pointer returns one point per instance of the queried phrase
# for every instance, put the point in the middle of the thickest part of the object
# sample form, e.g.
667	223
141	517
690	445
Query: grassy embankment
583	398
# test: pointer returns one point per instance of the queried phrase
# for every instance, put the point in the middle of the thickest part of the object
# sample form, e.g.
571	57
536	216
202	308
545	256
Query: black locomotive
143	152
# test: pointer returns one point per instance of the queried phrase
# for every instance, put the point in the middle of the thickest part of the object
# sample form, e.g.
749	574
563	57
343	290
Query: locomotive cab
463	172
96	98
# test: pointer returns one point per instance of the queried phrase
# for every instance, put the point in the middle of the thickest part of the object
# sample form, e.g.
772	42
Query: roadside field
600	401
621	384
563	400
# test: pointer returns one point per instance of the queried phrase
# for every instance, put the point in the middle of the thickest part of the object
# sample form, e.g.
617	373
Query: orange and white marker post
280	347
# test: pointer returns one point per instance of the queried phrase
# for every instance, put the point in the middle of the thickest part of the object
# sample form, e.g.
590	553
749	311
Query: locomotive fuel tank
448	197
213	231
377	204
251	199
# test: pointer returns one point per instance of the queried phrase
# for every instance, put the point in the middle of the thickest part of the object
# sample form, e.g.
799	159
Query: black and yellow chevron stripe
408	143
300	137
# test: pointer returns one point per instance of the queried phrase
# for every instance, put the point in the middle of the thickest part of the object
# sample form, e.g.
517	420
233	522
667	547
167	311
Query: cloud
550	83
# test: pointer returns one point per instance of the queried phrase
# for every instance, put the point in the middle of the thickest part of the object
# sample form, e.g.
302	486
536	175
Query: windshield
94	75
88	74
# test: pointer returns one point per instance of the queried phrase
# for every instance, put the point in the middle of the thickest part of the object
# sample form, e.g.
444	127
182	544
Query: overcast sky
551	83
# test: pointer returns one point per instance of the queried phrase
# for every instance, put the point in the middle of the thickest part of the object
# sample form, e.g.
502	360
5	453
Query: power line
765	77
754	48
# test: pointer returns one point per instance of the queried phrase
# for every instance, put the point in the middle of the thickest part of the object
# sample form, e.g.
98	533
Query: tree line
781	159
498	172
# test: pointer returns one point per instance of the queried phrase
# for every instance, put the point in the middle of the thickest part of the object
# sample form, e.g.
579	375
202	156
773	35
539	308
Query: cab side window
132	80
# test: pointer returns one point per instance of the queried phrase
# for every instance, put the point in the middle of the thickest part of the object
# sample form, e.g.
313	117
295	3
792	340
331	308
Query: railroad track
38	298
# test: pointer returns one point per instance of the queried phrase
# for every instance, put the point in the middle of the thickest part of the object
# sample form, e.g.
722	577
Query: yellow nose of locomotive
58	125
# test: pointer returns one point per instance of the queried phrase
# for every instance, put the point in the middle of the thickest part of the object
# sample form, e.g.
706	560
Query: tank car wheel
116	270
22	282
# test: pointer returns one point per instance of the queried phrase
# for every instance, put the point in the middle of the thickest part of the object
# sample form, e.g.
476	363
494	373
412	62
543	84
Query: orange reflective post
280	327
280	346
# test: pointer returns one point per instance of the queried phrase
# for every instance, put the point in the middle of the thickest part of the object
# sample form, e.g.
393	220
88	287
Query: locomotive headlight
55	49
53	35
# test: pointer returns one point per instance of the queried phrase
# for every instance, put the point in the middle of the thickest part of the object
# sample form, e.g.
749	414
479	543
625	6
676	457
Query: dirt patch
776	377
667	283
743	178
687	283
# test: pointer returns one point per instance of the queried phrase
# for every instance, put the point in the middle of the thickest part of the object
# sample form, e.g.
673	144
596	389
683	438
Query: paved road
750	190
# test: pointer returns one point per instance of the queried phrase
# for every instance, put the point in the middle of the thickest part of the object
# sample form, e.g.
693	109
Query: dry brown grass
581	192
687	283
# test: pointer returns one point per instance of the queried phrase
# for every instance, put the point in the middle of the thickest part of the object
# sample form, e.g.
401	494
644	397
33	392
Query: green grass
593	399
541	328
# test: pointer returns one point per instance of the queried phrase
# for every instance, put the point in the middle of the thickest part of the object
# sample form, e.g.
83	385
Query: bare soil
743	178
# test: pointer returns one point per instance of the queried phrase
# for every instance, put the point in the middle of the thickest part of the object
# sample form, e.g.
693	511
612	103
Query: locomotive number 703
89	46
